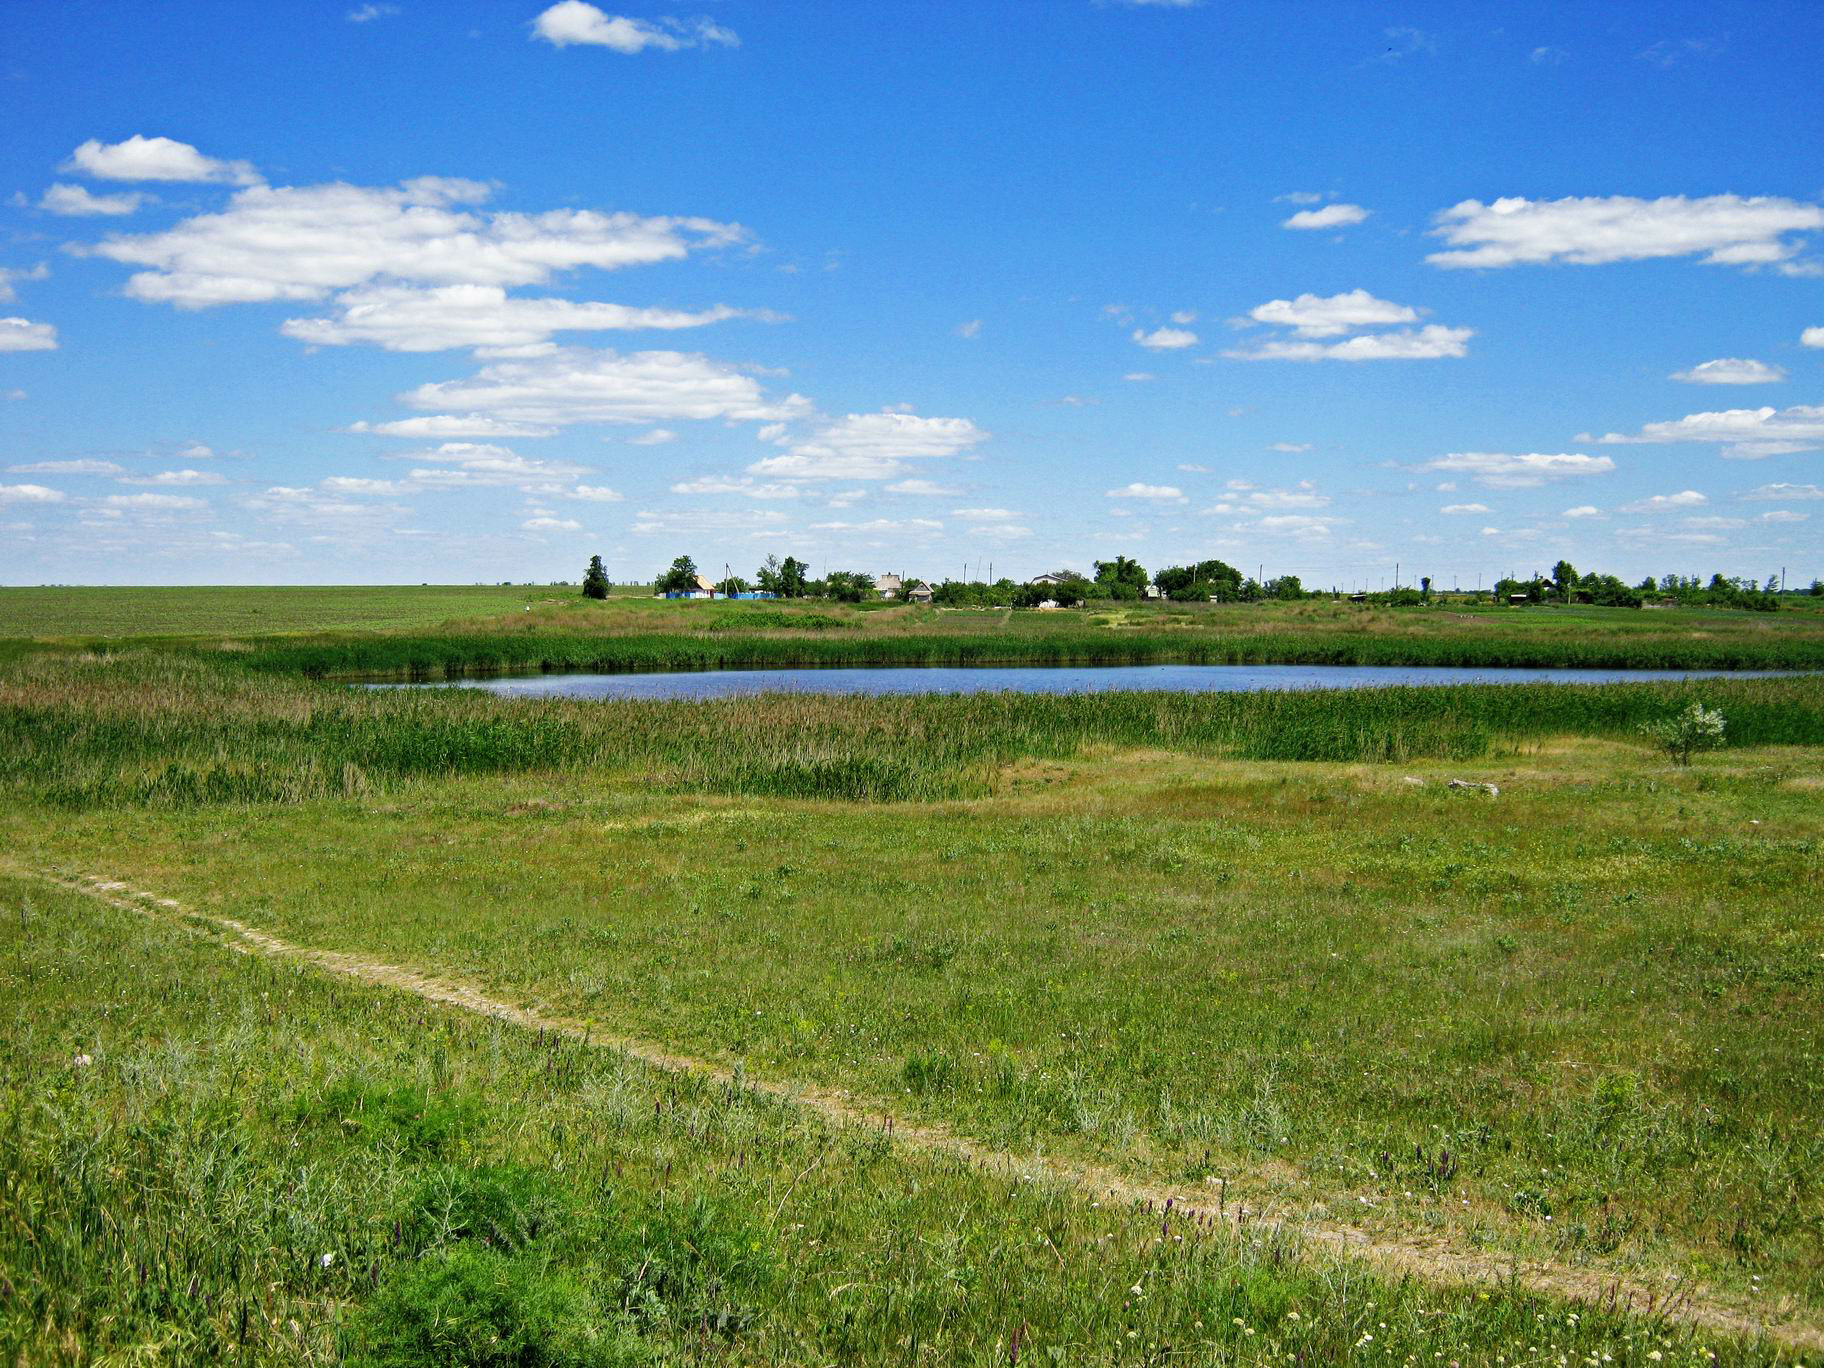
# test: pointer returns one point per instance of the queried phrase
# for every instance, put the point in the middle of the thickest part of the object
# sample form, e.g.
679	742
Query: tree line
1124	578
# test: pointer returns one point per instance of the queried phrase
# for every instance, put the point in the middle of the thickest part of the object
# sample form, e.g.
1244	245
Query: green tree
681	578
1696	728
595	579
849	586
1120	575
1564	578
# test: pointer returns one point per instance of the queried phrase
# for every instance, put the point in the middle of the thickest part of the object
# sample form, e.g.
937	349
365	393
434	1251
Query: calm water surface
1048	679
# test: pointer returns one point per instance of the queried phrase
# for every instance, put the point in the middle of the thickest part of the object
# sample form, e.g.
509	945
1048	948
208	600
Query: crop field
108	612
426	1026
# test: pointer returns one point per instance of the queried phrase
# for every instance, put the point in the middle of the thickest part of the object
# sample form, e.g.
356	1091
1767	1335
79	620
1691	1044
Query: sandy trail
1432	1258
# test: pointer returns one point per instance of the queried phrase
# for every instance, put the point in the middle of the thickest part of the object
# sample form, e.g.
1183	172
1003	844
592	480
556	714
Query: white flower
326	1261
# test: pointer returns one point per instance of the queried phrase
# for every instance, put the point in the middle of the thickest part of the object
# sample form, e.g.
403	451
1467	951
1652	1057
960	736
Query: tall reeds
174	729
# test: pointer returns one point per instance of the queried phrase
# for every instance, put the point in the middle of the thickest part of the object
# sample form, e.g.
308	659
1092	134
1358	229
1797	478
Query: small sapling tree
1696	728
595	579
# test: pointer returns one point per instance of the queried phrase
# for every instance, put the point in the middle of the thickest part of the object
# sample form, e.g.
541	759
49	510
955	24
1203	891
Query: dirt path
1433	1258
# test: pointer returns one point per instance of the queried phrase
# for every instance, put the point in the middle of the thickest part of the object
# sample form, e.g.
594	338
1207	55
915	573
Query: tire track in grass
1435	1259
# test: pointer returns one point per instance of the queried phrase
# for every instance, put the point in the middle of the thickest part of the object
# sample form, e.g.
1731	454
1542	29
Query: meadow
865	1029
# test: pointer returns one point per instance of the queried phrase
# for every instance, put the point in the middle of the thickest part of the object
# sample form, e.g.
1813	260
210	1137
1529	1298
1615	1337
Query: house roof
888	582
706	584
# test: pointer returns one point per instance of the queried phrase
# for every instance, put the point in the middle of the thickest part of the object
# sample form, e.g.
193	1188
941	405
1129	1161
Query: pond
1048	679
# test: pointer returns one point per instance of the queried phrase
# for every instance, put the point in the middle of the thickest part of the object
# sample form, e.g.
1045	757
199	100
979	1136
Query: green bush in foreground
1694	729
477	1306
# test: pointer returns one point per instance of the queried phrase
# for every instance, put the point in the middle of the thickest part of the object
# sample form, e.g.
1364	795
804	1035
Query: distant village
1210	581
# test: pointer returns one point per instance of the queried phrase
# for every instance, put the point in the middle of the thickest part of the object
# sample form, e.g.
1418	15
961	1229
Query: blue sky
451	292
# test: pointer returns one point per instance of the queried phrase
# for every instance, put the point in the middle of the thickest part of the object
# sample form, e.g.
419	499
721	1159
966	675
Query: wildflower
326	1261
82	1061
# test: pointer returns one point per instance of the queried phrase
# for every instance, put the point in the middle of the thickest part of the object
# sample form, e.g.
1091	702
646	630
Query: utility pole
1396	576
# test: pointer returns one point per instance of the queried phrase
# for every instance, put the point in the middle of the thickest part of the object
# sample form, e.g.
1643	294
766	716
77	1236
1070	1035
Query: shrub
1696	728
505	1207
475	1306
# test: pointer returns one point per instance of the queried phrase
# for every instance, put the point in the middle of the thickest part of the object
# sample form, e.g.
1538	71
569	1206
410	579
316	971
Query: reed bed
458	655
152	728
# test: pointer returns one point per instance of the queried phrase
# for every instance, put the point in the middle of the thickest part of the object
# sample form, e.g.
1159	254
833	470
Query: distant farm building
919	593
888	586
703	588
1049	577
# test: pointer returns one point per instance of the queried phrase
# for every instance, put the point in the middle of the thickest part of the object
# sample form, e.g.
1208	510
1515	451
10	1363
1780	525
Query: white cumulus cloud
586	385
306	242
1730	370
1790	493
1583	511
1727	230
1745	434
573	22
1666	503
442	425
1157	493
746	486
29	493
1312	315
410	319
78	467
1311	318
1432	342
466	464
179	478
1165	339
153	503
140	158
22	335
1812	337
77	201
870	446
1330	216
1464	508
1507	470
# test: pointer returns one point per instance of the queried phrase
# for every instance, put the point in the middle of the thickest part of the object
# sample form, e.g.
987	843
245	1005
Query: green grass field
1252	952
